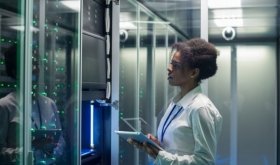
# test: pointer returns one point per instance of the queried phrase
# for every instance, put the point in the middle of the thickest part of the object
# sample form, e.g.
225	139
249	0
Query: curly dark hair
198	53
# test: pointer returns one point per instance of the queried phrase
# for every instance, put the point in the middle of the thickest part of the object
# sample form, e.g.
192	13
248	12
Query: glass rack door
248	103
12	81
144	91
39	85
55	66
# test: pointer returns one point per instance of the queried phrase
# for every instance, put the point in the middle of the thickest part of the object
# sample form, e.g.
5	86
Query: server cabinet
96	114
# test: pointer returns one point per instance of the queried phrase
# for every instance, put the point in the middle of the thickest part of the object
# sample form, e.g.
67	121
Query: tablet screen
138	136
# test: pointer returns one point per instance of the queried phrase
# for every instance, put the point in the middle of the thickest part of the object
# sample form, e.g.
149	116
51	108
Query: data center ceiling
251	19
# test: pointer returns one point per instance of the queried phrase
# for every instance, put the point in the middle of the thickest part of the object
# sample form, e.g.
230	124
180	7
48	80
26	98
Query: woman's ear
194	73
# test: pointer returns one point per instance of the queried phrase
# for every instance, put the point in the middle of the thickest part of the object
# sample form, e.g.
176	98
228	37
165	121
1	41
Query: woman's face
178	74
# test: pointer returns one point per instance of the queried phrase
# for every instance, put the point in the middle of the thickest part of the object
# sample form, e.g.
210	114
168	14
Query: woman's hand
147	147
154	139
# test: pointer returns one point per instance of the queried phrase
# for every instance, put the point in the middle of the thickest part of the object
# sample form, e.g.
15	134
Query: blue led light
91	126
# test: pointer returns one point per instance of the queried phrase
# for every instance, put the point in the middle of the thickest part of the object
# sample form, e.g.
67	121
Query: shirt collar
184	101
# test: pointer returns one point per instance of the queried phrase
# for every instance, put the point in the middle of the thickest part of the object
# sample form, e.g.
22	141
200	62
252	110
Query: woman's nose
169	68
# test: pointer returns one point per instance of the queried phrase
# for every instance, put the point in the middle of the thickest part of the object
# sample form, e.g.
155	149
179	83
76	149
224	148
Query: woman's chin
171	82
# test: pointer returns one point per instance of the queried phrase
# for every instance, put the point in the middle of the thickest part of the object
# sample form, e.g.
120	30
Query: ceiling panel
253	18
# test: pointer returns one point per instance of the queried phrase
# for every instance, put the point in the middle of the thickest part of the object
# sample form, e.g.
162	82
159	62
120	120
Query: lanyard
165	125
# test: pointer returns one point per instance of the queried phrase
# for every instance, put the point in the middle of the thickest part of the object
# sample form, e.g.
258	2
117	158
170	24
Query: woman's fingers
150	149
154	139
135	143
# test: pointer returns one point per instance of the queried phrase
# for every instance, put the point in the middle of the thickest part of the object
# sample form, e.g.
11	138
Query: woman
189	130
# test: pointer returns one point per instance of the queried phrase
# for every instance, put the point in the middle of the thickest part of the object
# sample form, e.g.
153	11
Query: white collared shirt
191	137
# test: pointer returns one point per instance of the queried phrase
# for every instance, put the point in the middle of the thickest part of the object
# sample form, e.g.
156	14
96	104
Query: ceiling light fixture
229	21
212	4
228	17
75	5
127	25
21	28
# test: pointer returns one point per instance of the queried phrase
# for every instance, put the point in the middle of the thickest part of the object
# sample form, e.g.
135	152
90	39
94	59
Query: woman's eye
176	65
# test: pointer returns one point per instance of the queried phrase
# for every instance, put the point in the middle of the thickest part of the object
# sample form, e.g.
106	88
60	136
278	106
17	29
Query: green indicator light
45	60
44	93
52	125
43	127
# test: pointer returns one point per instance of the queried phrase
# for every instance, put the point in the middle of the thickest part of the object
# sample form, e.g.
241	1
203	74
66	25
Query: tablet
138	136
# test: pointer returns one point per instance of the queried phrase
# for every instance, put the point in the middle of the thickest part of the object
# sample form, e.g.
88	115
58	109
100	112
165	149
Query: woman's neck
186	89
